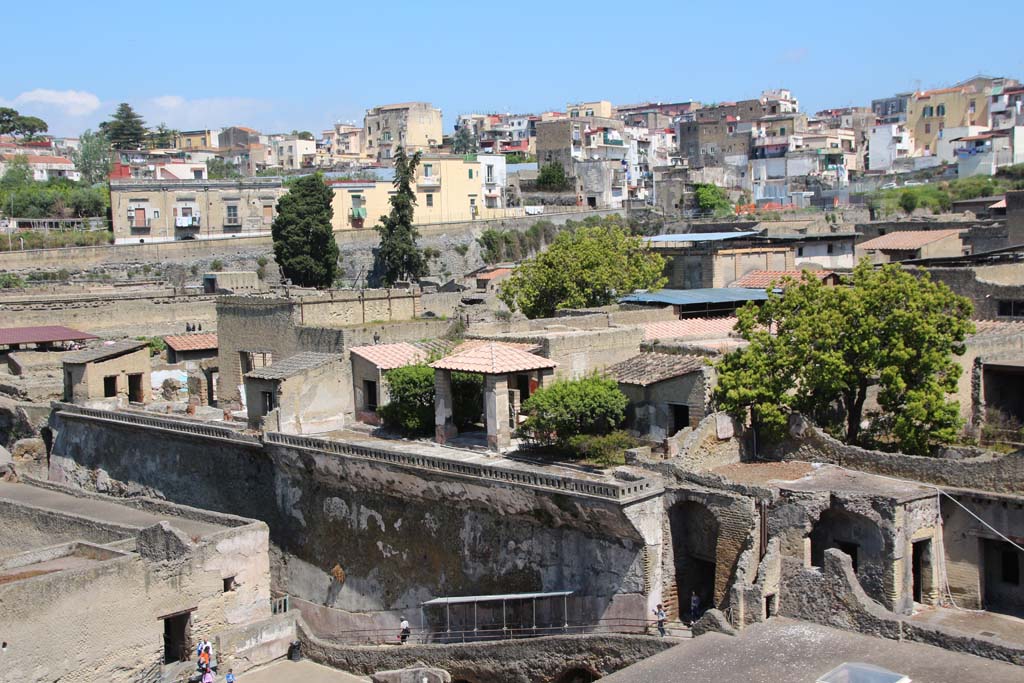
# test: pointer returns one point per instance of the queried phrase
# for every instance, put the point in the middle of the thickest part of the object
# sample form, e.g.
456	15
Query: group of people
661	617
193	327
206	667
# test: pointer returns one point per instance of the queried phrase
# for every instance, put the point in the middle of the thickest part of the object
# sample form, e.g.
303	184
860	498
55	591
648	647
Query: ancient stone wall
991	472
158	314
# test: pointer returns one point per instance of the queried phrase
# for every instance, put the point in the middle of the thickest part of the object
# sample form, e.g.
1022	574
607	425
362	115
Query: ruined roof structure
294	365
651	368
492	358
43	334
695	328
390	356
103	352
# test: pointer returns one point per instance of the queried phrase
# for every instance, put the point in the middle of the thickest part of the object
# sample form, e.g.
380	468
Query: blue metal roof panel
683	297
700	236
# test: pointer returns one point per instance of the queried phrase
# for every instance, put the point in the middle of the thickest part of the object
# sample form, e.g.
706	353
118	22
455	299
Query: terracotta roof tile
41	334
497	272
492	358
762	279
694	328
294	365
390	356
650	368
998	327
205	341
40	159
907	239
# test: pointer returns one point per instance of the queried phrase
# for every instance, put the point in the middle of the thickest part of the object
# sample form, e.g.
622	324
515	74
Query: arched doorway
577	675
694	531
860	538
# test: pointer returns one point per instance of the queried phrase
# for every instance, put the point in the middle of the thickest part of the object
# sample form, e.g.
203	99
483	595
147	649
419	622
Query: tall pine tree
398	258
126	130
304	245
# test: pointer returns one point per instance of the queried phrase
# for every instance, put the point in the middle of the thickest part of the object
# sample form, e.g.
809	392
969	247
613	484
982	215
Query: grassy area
54	239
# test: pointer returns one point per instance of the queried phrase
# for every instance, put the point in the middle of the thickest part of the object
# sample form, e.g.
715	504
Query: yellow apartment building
448	189
930	112
198	139
602	108
413	125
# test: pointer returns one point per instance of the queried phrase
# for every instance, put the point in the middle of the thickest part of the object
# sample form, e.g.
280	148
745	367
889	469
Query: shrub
552	178
568	408
11	281
216	265
411	407
608	450
156	345
908	201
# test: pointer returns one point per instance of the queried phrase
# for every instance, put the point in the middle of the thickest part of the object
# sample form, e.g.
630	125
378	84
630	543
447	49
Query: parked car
890	186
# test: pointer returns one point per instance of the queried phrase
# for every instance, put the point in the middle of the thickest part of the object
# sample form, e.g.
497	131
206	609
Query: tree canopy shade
13	123
586	267
464	142
818	349
398	258
304	245
711	198
126	129
92	158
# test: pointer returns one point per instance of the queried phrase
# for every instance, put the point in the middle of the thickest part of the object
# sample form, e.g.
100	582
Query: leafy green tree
303	134
568	408
908	201
410	408
818	350
17	174
586	267
552	178
162	137
30	126
464	142
398	258
219	169
304	245
711	198
8	120
126	129
92	158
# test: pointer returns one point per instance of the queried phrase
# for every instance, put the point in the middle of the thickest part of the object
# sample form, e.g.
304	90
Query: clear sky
278	66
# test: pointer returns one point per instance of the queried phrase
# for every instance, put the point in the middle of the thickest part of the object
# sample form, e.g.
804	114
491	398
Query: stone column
444	425
496	406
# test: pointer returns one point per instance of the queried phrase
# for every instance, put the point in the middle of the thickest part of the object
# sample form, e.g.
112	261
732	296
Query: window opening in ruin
1001	577
135	394
229	584
110	386
921	569
680	416
770	606
267	401
370	394
850	549
67	386
252	360
177	637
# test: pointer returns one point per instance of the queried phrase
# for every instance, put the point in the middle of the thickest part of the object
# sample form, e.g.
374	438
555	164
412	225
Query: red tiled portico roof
493	358
192	342
41	335
390	356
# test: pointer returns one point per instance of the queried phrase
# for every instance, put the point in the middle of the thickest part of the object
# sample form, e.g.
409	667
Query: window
428	170
229	584
110	386
267	401
232	216
799	251
370	393
490	173
831	248
927	128
928	111
973	107
590	112
782	131
1011	309
941	110
430	200
470	174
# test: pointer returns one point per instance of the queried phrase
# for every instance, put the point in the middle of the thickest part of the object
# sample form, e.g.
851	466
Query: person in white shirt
405	631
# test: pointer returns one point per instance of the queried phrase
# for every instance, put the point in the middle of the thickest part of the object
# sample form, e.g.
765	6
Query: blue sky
278	66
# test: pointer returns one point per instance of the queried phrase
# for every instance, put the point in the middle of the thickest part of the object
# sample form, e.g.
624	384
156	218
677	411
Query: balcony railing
186	221
429	181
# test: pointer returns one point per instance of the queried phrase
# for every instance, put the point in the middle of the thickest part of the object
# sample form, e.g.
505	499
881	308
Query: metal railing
380	636
280	605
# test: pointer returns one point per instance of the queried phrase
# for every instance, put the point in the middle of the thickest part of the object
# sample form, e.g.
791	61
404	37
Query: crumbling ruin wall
831	595
991	472
394	533
530	660
161	314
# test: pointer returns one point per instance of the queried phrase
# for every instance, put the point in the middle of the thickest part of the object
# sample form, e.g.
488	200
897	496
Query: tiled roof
40	159
492	358
760	279
293	365
998	327
390	356
650	368
497	272
103	352
695	328
41	334
204	341
907	239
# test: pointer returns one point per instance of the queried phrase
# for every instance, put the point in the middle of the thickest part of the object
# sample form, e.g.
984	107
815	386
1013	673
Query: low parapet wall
989	472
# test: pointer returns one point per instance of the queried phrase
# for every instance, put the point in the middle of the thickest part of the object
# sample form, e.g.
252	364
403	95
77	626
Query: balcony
186	221
431	181
490	180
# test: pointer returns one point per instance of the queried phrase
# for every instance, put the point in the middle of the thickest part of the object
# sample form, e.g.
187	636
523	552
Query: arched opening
857	536
694	549
577	675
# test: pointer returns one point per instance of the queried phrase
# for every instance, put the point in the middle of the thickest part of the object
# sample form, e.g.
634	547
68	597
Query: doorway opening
177	640
135	394
921	570
110	386
680	417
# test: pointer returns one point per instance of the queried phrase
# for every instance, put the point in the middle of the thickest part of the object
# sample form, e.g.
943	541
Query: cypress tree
304	245
398	257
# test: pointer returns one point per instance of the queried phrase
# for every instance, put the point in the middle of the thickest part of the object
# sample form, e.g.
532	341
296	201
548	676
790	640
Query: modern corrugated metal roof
700	236
460	600
683	297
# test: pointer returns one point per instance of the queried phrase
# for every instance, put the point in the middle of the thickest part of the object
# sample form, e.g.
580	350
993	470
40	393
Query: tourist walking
660	615
404	631
230	678
694	606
